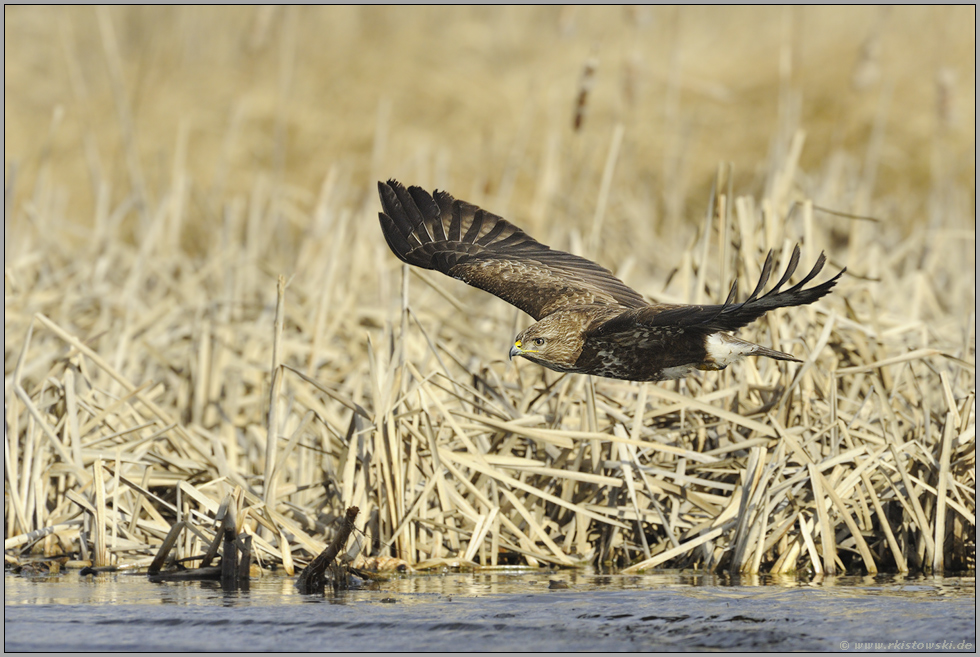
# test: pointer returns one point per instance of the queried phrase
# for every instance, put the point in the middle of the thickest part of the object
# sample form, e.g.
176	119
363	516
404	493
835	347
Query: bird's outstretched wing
465	242
728	316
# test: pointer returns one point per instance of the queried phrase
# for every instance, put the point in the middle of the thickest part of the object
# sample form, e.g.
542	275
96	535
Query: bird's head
554	342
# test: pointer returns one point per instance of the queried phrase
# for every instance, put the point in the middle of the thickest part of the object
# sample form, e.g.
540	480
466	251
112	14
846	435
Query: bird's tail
772	353
724	349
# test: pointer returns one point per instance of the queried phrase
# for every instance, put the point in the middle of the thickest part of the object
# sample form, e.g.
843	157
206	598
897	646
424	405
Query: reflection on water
122	588
496	610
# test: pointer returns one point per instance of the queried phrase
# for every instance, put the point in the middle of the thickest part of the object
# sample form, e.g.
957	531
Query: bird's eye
538	342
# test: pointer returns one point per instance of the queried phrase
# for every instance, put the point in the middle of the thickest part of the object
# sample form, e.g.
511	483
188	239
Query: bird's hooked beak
515	350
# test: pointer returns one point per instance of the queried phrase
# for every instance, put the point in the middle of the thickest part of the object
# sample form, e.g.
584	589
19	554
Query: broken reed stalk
236	556
229	553
271	445
311	580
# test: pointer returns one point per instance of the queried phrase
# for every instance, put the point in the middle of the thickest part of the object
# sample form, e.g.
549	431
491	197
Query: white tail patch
724	350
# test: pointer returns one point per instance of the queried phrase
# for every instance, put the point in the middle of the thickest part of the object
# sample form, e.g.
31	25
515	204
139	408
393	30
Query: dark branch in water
312	579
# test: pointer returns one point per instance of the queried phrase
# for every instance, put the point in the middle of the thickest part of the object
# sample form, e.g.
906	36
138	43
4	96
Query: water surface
502	610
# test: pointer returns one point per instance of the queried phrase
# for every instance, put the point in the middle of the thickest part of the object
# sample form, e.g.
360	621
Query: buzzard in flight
588	321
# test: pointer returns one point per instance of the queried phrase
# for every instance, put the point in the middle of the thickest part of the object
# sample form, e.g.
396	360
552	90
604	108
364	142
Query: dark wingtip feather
794	261
397	242
731	293
736	315
401	220
763	278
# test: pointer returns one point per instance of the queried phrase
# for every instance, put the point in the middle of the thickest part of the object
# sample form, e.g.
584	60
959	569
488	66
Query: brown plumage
589	321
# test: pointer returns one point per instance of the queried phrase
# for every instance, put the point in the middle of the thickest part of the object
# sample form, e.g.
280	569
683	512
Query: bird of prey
588	321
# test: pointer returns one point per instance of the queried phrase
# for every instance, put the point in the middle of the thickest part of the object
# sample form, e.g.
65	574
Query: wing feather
463	241
728	316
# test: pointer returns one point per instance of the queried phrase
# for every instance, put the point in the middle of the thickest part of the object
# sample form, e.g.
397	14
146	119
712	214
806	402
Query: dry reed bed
156	364
150	386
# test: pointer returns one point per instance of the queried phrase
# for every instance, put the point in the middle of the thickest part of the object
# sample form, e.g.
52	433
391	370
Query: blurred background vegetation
470	98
